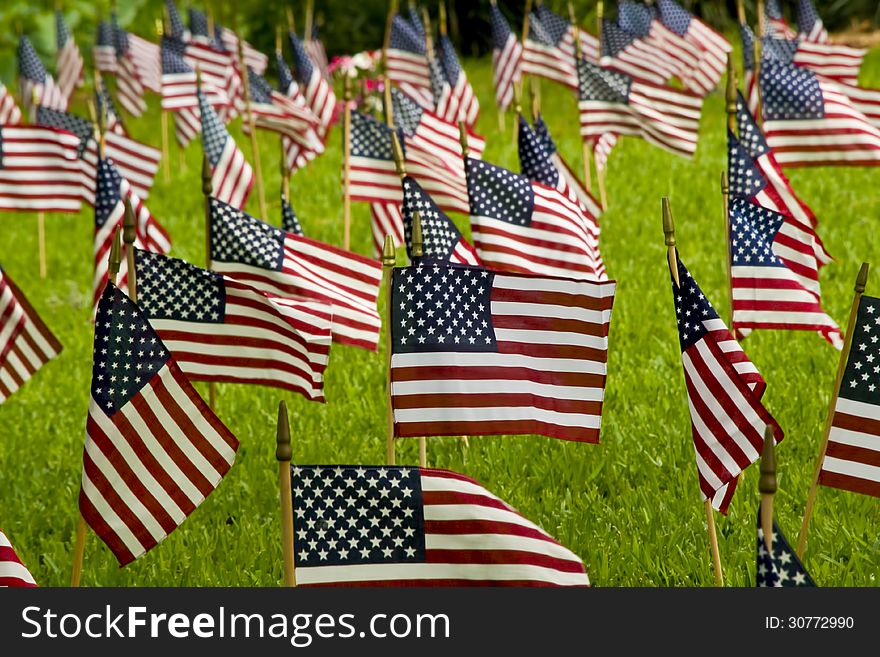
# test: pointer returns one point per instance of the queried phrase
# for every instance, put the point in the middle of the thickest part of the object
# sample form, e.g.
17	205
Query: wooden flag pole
129	234
255	147
285	172
725	183
392	12
518	86
767	485
166	149
535	98
586	152
346	165
859	289
309	20
741	11
672	262
283	454
41	216
207	190
388	262
417	252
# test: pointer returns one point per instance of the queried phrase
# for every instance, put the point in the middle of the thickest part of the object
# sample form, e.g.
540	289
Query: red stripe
496	428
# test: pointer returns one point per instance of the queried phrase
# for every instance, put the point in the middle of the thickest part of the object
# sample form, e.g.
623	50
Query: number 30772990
809	622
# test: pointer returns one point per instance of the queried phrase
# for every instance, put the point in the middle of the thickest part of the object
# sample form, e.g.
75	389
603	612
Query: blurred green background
343	29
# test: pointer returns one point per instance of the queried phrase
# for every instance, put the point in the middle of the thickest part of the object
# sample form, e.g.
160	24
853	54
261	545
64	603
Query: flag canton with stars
302	63
498	193
437	307
674	16
782	568
289	221
370	138
543	133
692	309
790	92
172	56
748	46
553	25
416	21
350	515
285	77
404	37
198	23
107	196
752	231
174	289
500	29
807	16
780	50
407	113
861	379
449	59
439	234
104	102
62	34
614	39
127	352
29	65
261	90
238	237
120	38
635	18
176	22
105	34
69	122
533	157
745	177
750	134
597	83
438	80
214	133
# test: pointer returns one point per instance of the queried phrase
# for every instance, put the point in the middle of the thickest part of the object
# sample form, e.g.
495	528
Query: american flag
458	101
296	155
274	111
107	108
224	331
408	526
9	112
219	71
540	162
289	221
775	21
154	450
507	54
810	121
13	573
524	226
612	102
137	162
810	25
26	343
317	92
176	27
634	57
146	57
779	566
198	26
39	170
549	50
129	83
477	352
407	63
104	50
724	391
315	47
291	266
253	58
69	61
112	191
756	175
850	461
231	175
441	239
773	274
37	86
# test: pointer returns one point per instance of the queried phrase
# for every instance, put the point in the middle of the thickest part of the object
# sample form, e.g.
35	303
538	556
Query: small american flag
296	155
154	450
409	526
112	190
833	61
476	352
775	21
37	86
773	274
524	226
810	25
442	240
407	63
219	71
69	61
756	175
458	101
276	112
316	90
12	572
222	330
602	147
129	84
315	47
26	343
289	221
613	102
176	27
232	177
291	266
549	50
104	52
810	121
137	162
39	170
540	162
9	112
507	54
632	56
144	55
724	391
253	58
780	566
850	461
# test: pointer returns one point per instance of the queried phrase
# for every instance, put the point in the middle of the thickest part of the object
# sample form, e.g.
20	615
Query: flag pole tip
388	256
282	449
767	482
207	188
862	278
417	240
668	224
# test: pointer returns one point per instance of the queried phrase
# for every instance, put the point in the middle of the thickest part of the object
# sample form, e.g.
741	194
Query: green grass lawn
630	507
